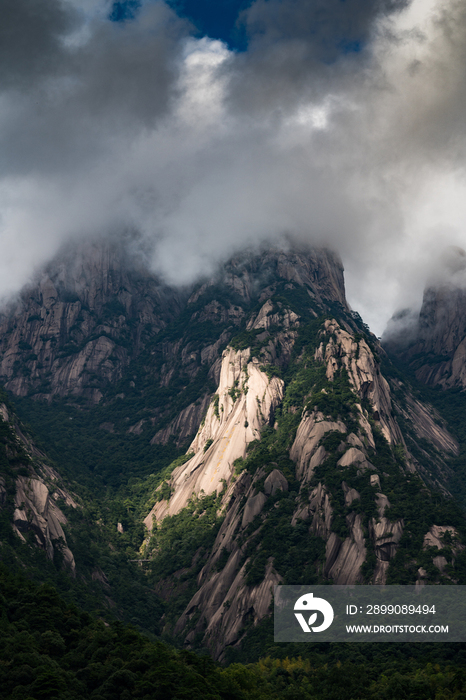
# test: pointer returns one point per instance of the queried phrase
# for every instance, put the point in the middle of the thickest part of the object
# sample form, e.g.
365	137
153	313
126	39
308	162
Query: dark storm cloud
297	47
66	101
438	124
329	28
130	68
31	33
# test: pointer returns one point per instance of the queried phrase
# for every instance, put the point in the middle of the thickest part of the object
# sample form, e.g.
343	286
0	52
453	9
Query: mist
341	124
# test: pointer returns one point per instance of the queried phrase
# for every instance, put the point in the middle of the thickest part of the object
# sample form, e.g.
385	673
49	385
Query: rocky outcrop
279	326
342	349
36	512
345	558
245	401
386	536
355	355
428	425
96	307
436	536
224	603
437	347
247	398
318	270
76	330
307	452
184	426
275	482
445	539
37	488
318	510
282	388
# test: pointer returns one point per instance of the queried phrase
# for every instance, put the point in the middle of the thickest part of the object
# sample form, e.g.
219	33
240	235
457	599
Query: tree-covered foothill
50	649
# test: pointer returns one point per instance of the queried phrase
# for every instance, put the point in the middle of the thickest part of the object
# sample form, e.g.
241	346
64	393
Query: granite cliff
31	490
75	330
97	327
306	439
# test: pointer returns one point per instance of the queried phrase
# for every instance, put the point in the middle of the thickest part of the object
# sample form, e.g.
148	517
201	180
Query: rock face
77	329
245	401
437	350
183	426
363	373
96	308
36	487
36	511
326	448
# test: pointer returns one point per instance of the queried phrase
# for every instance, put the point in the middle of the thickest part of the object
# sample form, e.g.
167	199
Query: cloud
91	95
31	36
341	124
325	29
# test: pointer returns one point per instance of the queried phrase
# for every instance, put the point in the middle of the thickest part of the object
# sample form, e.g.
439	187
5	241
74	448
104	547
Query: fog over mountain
341	123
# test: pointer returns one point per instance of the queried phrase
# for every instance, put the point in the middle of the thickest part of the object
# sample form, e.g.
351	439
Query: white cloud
204	151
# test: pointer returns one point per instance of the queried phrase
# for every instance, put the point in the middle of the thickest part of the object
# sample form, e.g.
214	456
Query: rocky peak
78	327
342	349
323	481
317	269
243	403
433	341
97	307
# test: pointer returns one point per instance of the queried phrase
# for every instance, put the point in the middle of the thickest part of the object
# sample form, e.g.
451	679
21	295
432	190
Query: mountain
312	476
432	342
242	432
96	308
428	349
77	328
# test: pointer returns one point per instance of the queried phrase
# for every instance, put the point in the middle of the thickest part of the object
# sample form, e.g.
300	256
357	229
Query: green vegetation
419	507
297	554
337	400
92	456
235	391
271	371
164	493
180	545
178	538
49	649
245	339
208	443
108	581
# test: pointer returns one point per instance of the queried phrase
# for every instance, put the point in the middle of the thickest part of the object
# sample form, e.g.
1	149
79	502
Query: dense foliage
50	649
